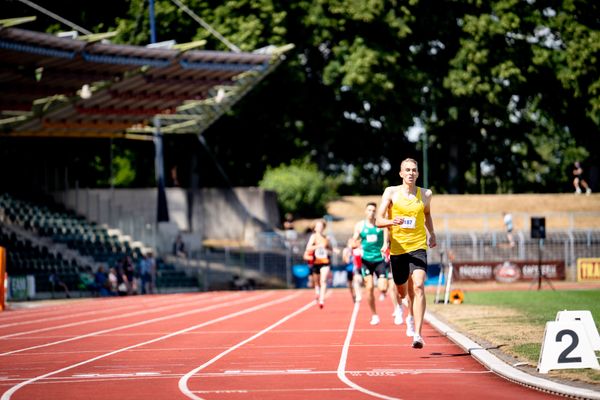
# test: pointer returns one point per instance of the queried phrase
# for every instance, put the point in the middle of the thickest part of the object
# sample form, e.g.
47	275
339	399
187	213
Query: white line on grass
7	395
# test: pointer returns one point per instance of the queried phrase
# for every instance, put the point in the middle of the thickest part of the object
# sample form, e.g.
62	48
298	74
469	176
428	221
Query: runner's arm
386	240
431	239
381	218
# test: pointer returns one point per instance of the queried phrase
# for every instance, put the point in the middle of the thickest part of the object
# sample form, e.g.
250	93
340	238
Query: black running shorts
403	265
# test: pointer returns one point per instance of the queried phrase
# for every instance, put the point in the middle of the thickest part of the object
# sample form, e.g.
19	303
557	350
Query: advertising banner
508	271
588	270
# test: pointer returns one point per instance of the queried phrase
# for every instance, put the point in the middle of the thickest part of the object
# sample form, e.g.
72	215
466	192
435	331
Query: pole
425	160
162	208
539	264
448	282
152	23
3	288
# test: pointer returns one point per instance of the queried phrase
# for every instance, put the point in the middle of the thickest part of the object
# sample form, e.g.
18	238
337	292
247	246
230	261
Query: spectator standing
508	224
179	247
578	181
147	273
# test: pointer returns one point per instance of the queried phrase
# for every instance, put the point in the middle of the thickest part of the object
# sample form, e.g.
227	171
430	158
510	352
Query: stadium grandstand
84	87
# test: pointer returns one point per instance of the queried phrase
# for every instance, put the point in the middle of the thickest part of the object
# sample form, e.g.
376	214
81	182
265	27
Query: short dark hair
371	203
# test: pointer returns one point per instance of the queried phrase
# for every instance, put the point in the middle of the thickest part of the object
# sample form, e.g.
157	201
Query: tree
507	91
301	188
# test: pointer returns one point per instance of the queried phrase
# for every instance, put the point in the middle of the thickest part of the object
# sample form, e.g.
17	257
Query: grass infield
514	322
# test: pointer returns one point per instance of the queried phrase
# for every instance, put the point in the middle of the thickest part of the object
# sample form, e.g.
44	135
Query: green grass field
514	321
540	306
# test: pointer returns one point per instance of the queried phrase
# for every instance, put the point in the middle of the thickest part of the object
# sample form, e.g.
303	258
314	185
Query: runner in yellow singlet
406	210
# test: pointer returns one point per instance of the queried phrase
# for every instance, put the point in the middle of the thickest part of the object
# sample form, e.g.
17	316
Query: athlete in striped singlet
406	209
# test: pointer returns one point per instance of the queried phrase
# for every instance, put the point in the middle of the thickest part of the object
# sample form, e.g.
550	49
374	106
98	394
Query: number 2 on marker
564	358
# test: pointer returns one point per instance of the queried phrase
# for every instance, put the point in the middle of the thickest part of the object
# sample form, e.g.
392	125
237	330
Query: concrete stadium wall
210	213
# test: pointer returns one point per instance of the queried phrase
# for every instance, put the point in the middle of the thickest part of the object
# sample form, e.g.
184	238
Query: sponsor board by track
588	270
508	271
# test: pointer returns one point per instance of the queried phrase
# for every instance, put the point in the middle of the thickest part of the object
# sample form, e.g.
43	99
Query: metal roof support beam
56	17
16	21
162	209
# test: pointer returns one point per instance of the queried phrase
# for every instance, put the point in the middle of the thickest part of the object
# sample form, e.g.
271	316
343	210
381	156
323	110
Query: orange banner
2	278
588	269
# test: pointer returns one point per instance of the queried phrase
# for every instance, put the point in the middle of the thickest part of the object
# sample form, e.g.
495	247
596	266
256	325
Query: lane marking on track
296	390
109	318
341	371
8	394
136	324
112	310
183	382
115	377
74	305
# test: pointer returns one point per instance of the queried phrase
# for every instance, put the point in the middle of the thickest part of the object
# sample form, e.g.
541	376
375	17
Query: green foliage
123	172
301	189
508	91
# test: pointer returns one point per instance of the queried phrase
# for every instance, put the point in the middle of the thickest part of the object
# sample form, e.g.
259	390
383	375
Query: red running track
232	345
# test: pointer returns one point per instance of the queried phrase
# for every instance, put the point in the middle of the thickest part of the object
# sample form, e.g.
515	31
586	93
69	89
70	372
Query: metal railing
275	256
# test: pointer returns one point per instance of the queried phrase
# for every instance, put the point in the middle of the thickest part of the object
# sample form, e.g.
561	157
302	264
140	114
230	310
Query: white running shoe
381	296
417	342
358	298
398	320
374	320
588	191
410	326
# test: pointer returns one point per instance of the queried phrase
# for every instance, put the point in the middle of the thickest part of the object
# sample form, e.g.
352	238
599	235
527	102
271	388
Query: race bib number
372	238
408	222
321	252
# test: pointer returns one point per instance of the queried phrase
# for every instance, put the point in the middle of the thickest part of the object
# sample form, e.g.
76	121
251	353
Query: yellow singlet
411	235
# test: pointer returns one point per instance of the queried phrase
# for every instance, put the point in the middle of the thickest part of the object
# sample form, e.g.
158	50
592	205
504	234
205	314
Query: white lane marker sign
566	346
584	316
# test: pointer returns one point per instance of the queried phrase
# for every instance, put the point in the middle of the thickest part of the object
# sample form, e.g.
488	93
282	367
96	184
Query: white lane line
341	371
295	390
102	310
109	318
159	375
64	316
96	333
74	305
8	394
183	382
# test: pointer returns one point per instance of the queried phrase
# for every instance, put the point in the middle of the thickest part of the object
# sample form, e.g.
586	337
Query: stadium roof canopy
84	87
